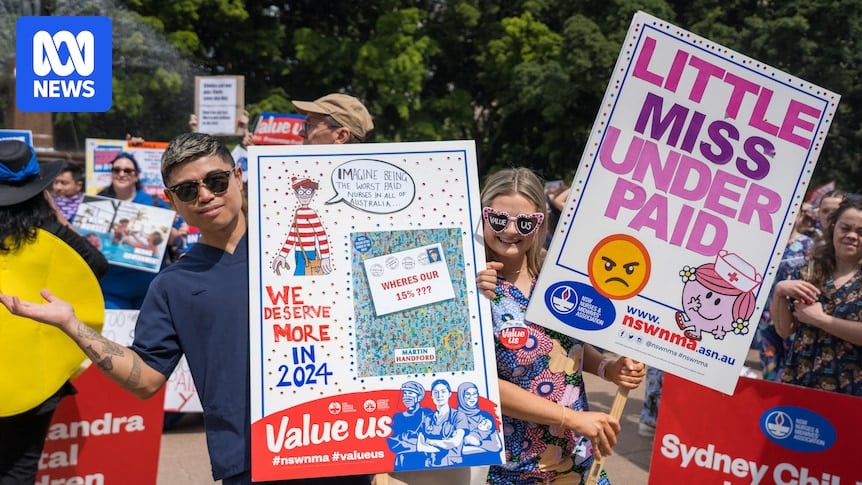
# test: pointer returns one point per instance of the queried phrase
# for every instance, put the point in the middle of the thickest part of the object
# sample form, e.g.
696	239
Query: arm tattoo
110	349
134	378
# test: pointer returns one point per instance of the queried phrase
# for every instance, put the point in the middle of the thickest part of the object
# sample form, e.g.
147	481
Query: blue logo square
63	64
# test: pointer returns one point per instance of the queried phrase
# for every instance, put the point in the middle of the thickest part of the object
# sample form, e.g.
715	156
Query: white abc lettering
46	56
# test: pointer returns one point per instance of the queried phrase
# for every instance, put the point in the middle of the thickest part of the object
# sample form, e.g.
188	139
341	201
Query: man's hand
55	312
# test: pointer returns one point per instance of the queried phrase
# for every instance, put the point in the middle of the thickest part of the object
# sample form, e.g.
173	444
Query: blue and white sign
63	64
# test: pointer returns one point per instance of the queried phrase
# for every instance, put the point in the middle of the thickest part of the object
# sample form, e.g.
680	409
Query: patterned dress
548	364
766	340
821	360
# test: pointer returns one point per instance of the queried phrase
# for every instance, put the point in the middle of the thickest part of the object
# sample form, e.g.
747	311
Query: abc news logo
63	64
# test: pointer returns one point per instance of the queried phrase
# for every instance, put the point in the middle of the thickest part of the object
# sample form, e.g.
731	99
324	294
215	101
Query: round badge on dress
514	334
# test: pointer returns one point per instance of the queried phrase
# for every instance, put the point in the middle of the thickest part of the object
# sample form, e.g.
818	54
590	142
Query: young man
68	189
191	308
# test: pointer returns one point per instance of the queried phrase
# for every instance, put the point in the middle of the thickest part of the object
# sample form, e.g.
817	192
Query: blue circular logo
778	425
362	243
564	299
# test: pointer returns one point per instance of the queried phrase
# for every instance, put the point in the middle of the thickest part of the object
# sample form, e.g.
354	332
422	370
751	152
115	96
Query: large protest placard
100	152
765	434
365	316
128	234
682	204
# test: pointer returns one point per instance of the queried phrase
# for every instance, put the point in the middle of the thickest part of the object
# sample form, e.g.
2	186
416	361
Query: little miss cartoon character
717	297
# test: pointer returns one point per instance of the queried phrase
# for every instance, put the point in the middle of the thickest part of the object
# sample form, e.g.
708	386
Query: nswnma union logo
63	64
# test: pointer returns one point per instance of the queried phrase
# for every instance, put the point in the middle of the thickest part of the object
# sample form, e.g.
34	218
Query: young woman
550	433
822	307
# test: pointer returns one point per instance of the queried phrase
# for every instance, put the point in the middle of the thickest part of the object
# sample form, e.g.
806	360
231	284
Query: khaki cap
348	111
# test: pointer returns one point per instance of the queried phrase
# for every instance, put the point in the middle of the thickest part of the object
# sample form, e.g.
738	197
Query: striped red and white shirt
306	233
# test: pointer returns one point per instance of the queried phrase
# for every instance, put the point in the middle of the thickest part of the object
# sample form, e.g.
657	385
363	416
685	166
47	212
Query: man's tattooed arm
120	363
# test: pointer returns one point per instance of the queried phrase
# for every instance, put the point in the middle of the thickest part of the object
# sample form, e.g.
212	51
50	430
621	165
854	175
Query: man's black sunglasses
215	182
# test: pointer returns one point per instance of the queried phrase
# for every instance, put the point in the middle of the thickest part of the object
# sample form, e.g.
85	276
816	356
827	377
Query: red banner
103	435
766	433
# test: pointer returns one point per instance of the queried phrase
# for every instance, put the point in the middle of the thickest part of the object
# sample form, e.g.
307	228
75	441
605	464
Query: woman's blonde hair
520	181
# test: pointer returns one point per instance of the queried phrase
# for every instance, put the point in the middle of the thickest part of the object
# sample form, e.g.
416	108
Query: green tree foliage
816	40
524	78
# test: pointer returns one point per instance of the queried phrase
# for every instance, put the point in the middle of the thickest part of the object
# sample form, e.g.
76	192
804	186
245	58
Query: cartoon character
482	439
307	234
717	297
443	431
406	427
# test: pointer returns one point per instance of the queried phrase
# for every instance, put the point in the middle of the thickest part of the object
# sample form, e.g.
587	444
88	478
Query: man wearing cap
406	425
334	119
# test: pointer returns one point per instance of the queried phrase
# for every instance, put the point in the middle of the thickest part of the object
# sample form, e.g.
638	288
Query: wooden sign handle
616	411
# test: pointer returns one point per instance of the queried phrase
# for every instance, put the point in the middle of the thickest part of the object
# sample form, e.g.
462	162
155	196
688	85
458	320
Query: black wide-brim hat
21	175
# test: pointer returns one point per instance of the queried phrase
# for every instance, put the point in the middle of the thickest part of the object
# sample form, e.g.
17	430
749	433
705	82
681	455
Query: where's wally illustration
682	204
307	236
372	349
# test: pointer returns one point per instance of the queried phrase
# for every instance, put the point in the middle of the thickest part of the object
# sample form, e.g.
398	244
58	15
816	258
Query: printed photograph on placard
128	234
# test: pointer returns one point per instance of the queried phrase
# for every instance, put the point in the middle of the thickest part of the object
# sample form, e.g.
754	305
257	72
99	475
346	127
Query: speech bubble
372	186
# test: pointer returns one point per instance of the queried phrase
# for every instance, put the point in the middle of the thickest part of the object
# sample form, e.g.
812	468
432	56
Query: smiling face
847	236
509	245
619	266
471	398
65	185
212	213
706	308
304	194
124	175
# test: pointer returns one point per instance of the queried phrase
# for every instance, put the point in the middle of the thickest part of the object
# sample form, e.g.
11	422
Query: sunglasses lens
187	192
526	225
497	221
217	182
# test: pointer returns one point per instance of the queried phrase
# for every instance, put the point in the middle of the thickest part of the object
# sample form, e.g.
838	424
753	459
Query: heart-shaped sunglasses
525	224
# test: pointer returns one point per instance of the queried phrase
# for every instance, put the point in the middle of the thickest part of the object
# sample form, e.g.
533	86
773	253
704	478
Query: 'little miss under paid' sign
682	204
